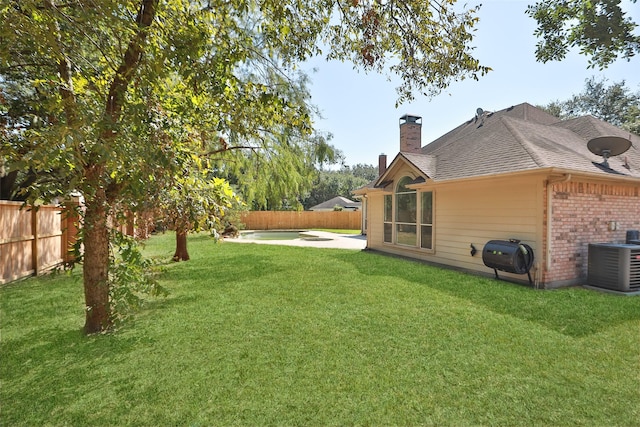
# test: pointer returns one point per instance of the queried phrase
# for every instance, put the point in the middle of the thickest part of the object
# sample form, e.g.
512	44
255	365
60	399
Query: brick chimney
382	164
410	134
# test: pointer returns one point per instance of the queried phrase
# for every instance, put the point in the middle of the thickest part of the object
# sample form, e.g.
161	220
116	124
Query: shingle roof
336	201
427	164
522	138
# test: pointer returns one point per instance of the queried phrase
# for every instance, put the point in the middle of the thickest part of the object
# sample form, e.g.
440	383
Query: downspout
550	183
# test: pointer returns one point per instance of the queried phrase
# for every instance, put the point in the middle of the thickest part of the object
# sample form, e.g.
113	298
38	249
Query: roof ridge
528	147
529	110
596	127
589	118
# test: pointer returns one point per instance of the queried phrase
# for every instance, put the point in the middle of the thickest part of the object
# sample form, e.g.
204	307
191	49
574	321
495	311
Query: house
517	173
339	201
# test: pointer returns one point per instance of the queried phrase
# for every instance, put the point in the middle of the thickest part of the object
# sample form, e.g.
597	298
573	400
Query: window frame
391	220
405	219
423	223
387	219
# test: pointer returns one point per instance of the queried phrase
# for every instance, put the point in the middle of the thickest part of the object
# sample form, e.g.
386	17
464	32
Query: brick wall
581	214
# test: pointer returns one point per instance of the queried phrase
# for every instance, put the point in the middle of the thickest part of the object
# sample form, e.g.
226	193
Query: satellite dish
479	112
607	146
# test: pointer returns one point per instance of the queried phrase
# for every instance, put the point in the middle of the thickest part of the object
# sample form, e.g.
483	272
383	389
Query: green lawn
276	335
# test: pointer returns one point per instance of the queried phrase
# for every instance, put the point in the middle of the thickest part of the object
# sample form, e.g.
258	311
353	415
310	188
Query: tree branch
84	33
64	70
236	147
131	60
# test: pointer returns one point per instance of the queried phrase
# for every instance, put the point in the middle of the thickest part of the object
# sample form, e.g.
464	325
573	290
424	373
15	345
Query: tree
330	184
114	75
278	180
194	203
599	28
271	171
367	172
22	109
615	104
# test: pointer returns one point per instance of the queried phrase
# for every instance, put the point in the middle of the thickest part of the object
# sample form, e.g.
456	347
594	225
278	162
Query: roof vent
608	146
479	116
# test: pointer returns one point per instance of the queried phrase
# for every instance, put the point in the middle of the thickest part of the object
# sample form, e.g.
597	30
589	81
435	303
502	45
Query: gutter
620	179
550	183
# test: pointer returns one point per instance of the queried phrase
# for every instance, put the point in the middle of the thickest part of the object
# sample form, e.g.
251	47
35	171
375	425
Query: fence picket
32	240
291	220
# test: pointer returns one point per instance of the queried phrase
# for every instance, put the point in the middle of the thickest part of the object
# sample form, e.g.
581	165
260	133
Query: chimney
410	134
382	164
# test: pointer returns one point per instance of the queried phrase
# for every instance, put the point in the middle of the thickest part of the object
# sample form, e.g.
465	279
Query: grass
277	335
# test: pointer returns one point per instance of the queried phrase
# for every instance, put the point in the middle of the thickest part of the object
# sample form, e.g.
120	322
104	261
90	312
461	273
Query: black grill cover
509	256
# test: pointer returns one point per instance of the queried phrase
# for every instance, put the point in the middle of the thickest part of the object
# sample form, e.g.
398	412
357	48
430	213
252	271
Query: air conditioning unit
614	266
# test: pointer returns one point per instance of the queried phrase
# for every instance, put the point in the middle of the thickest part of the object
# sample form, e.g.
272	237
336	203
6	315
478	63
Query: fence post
71	227
143	220
34	242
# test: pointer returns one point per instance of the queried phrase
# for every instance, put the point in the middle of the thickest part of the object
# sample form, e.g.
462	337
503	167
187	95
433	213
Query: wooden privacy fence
138	225
292	220
34	240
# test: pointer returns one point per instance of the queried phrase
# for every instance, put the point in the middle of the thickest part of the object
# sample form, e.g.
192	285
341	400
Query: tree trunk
96	232
96	265
181	247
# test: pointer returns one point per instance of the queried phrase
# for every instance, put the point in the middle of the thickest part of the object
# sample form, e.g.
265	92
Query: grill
614	266
509	256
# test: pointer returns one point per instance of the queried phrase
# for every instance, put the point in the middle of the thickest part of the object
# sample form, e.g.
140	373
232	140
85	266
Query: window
426	220
388	218
406	210
408	216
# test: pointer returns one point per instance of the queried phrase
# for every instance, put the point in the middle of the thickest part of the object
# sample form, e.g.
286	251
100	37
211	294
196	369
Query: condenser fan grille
634	269
614	266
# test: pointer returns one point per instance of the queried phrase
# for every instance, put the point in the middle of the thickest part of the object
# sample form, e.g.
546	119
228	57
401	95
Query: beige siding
474	212
375	212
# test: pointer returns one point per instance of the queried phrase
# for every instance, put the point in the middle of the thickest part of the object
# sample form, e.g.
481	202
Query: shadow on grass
64	361
223	270
576	312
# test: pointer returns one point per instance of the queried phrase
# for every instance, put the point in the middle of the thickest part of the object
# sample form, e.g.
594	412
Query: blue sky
359	109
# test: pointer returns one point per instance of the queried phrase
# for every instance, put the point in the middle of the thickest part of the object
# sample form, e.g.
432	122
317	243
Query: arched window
406	213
